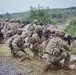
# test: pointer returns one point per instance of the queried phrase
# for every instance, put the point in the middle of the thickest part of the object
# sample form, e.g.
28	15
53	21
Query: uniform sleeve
14	43
66	46
31	28
8	28
34	38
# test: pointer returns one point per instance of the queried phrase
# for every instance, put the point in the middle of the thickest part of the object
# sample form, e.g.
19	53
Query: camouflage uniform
5	29
18	47
18	23
11	30
47	36
17	44
57	50
32	27
36	42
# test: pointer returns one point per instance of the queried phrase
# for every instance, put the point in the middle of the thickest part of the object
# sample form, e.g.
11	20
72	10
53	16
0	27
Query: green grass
73	51
28	67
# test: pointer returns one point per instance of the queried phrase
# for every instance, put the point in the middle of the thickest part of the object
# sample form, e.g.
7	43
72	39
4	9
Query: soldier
18	46
11	30
57	50
32	27
47	37
48	34
18	23
35	41
5	28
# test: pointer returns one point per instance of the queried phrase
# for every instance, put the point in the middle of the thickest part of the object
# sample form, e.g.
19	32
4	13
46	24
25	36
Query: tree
73	22
7	15
71	28
1	16
41	15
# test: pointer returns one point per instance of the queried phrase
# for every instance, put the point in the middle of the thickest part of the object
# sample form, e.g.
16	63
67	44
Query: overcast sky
13	6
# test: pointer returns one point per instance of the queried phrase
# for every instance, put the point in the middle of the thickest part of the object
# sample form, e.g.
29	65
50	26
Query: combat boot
41	59
47	67
56	65
67	68
25	57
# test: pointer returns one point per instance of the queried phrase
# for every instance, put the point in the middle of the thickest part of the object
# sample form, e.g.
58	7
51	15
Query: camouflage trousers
37	51
57	59
18	53
42	48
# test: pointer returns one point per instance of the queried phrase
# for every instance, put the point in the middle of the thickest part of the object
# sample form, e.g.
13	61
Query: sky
14	6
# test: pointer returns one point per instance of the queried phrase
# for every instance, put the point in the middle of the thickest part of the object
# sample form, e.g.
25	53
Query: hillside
61	16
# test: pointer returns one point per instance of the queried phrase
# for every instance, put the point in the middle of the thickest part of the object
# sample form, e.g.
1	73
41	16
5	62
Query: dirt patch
12	66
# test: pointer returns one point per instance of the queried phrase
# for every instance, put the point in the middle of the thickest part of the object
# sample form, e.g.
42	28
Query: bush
73	51
70	29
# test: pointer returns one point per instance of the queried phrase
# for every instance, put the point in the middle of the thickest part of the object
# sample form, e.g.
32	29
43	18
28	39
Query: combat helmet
38	28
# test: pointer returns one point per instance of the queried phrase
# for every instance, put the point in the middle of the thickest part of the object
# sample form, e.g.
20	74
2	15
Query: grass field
12	66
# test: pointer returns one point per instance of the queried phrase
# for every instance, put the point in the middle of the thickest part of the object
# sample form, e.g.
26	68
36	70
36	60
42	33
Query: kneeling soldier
18	46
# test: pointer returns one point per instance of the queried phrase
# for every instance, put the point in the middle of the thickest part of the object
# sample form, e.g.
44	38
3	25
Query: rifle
23	51
21	46
69	38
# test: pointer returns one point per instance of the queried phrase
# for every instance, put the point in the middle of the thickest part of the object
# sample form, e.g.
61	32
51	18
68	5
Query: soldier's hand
19	49
45	45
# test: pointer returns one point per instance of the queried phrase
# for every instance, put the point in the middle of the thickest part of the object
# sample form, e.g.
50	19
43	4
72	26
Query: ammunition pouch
56	52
